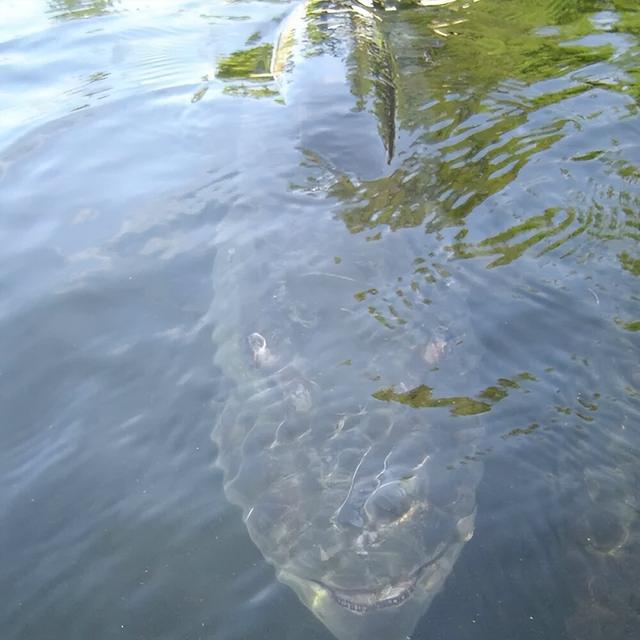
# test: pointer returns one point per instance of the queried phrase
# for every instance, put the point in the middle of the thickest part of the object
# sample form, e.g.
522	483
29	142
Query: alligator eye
387	503
257	342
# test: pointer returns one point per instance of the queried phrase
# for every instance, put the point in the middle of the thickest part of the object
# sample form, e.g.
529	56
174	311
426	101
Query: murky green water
432	216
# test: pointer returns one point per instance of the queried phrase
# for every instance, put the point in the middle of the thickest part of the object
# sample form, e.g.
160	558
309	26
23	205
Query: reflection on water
317	28
476	127
430	217
64	9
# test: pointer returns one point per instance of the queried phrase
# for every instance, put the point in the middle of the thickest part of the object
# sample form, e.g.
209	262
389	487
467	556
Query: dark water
495	195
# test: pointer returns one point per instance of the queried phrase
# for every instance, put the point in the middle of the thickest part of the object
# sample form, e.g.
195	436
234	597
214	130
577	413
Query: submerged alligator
361	505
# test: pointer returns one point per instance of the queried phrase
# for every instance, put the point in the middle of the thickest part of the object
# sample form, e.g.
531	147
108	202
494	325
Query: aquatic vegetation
422	397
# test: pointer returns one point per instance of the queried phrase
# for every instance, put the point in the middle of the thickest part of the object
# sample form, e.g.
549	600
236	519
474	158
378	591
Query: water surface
139	140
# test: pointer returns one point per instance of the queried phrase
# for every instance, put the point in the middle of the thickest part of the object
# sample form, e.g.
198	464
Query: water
478	224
